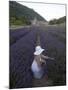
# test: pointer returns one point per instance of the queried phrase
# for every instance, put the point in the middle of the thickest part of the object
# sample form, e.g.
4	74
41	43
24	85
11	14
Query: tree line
58	21
19	21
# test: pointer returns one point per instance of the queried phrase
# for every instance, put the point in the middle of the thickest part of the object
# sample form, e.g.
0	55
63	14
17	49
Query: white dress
37	71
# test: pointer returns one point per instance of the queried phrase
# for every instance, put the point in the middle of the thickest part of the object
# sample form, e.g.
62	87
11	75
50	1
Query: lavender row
17	34
21	57
57	49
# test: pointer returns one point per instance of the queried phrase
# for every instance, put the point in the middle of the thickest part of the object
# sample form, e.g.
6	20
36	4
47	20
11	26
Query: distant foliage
19	21
21	15
58	21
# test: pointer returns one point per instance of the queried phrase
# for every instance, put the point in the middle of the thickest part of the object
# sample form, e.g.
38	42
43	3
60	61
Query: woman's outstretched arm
46	57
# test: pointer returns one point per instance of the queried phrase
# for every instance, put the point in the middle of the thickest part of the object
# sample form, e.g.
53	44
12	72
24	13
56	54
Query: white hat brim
38	52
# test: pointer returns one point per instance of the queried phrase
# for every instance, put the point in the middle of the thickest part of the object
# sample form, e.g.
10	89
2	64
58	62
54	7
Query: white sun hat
38	50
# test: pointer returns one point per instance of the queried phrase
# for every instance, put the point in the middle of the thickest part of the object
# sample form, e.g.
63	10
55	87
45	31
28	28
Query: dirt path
44	81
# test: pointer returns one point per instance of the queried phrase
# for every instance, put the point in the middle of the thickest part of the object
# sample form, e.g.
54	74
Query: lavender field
22	47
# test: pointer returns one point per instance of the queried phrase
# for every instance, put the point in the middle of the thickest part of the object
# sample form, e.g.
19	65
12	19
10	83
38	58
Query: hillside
58	21
22	14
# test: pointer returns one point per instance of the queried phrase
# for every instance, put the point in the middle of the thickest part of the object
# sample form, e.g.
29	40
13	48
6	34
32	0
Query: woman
37	65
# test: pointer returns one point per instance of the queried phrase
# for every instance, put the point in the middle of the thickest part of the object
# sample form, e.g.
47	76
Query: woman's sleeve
44	57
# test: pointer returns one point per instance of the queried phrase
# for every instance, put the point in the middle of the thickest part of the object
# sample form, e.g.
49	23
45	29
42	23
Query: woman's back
36	67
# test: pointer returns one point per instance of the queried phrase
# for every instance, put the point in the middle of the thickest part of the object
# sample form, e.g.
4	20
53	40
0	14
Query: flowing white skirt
37	71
